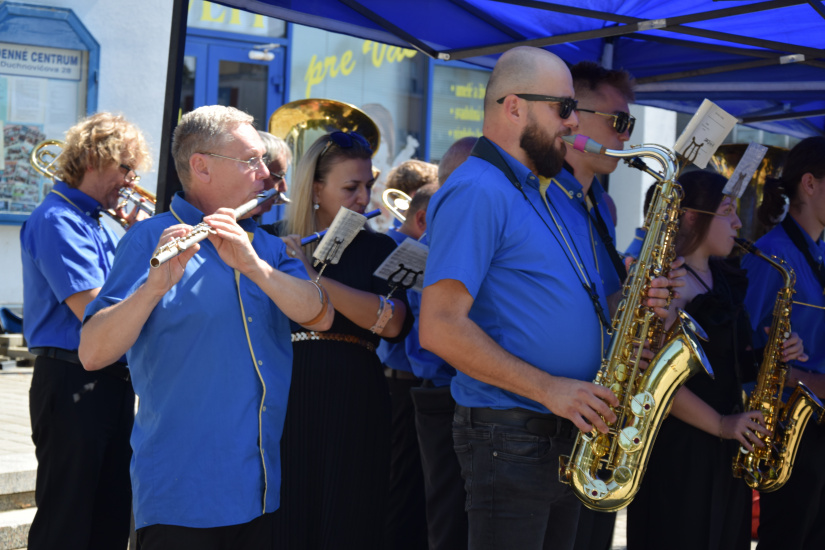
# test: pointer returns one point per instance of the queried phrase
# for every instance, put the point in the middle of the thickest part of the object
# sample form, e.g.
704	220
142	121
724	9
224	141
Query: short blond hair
100	140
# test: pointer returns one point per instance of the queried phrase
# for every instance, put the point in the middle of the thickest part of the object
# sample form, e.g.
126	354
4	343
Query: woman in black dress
689	498
335	448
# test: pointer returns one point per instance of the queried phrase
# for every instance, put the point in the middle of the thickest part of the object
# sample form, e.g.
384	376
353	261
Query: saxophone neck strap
798	239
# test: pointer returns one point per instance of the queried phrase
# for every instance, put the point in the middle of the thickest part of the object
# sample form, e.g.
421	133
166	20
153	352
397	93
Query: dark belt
118	369
544	424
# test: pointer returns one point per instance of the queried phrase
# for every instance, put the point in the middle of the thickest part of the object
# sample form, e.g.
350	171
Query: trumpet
397	202
44	155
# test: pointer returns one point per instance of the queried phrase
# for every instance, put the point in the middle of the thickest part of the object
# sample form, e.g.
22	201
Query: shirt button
260	362
249	319
579	195
264	408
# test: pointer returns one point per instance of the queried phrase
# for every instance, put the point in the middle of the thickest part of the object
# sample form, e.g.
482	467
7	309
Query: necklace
698	278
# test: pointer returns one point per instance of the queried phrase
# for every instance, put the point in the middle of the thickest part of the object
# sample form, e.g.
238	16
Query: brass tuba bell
301	122
44	156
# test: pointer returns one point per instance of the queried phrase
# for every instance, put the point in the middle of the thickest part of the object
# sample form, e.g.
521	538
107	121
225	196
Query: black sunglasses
346	140
566	104
621	121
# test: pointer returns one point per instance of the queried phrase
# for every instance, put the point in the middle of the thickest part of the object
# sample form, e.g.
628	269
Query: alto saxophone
605	470
768	468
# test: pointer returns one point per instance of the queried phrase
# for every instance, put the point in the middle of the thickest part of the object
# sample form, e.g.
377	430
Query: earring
315	206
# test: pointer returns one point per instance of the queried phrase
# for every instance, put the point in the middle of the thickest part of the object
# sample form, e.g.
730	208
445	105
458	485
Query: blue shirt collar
84	202
522	173
190	215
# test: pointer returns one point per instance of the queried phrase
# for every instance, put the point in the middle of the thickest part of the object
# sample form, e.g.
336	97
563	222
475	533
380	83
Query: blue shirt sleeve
459	250
69	257
425	364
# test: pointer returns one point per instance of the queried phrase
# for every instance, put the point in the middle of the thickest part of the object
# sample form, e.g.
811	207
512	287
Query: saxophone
605	470
768	468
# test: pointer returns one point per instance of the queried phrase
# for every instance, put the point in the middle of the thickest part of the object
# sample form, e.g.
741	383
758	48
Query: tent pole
168	183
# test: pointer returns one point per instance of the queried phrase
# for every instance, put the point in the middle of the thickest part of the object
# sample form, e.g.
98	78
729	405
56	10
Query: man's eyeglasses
277	176
130	175
346	140
621	121
255	163
566	104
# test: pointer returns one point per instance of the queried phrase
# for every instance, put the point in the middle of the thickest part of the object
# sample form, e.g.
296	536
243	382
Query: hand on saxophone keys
748	428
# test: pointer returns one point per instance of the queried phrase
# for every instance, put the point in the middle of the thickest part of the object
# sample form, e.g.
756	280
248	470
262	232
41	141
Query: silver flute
203	230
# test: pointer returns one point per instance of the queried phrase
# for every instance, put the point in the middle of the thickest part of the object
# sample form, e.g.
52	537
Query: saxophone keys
596	489
642	404
630	439
620	373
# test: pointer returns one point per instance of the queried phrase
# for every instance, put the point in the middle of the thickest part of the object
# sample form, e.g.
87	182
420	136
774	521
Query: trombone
397	202
44	156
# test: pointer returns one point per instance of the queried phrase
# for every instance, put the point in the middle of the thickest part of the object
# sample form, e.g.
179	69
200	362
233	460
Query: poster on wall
42	94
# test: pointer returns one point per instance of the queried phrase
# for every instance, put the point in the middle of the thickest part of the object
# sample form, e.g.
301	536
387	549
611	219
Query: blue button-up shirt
394	355
573	191
65	250
516	264
212	368
765	281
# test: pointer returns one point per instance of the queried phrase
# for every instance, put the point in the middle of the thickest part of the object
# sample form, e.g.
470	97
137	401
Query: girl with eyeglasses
336	444
689	496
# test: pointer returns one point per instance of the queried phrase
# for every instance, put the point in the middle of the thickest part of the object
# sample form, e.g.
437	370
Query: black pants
595	530
444	487
81	423
406	515
253	535
793	518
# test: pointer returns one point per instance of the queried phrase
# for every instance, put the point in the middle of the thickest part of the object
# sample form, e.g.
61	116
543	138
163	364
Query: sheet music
745	170
343	230
704	133
407	262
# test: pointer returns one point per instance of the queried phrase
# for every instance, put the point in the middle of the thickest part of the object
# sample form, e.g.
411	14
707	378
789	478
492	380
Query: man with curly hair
81	421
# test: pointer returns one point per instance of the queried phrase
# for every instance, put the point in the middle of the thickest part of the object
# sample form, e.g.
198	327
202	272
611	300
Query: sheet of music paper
343	230
704	133
745	170
405	266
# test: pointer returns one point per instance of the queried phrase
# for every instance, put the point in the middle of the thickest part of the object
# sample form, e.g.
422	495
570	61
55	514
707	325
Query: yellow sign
331	66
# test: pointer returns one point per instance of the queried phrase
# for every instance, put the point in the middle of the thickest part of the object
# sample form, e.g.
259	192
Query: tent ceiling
763	61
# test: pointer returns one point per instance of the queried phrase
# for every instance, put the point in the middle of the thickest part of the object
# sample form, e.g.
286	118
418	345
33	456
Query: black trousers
447	526
793	518
406	515
81	424
595	530
253	535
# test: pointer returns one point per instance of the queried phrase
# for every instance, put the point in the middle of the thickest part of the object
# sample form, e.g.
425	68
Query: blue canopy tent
762	61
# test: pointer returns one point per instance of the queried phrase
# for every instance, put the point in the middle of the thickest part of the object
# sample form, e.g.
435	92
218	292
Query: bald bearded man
513	301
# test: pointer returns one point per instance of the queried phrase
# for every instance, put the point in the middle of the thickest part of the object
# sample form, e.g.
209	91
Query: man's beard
546	157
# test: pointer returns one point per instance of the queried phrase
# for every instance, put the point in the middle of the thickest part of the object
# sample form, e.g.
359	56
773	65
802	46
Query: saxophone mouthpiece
746	244
583	143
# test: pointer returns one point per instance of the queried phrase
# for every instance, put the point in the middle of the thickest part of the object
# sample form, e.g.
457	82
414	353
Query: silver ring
292	253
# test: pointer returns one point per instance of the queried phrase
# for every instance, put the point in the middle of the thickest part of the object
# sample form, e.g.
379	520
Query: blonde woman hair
314	166
101	140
